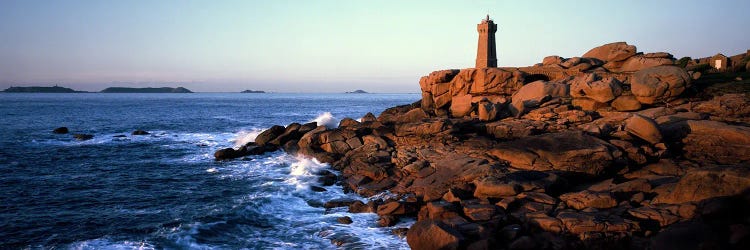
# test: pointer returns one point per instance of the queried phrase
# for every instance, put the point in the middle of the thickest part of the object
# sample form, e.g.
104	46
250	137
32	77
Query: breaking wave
326	119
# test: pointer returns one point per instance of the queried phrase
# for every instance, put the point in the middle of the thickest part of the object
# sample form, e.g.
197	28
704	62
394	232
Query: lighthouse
486	51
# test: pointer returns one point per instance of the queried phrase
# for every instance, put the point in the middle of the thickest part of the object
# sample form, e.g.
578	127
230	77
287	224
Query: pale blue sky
330	46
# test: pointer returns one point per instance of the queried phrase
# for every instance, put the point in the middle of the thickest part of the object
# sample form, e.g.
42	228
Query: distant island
35	89
359	91
146	90
253	91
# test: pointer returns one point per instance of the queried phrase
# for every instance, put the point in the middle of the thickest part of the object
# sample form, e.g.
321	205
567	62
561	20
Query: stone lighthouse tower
486	52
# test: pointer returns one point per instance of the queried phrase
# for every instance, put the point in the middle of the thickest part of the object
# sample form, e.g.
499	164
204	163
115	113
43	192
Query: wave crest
243	137
326	119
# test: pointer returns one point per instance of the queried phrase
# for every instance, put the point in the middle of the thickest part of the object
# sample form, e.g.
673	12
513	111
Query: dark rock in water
342	202
227	153
140	132
119	136
83	137
269	134
317	189
327	178
315	203
60	130
361	207
387	220
400	232
247	149
345	220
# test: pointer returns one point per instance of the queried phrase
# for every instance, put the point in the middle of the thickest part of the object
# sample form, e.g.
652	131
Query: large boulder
705	183
436	88
600	90
659	84
513	128
494	81
431	127
440	87
445	170
589	199
626	103
461	105
580	223
637	63
566	151
269	134
440	76
487	110
552	60
728	107
612	52
493	187
414	115
716	142
508	185
644	128
430	234
533	94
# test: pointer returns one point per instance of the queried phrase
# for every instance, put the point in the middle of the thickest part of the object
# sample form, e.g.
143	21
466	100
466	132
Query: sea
164	190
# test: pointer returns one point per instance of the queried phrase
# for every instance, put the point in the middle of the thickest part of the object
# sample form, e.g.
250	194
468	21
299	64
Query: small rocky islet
615	149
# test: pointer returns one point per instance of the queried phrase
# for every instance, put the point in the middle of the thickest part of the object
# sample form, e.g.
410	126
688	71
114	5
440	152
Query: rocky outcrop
612	52
610	76
641	62
428	235
659	84
460	90
702	184
602	90
717	142
569	151
532	95
607	152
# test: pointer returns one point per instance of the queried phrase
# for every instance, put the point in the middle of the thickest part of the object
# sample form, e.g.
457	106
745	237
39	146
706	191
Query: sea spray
243	137
303	171
327	119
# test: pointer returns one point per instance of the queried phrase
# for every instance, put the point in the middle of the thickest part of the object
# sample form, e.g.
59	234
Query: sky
330	46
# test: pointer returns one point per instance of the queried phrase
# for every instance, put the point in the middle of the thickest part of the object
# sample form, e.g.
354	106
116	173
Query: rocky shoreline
623	150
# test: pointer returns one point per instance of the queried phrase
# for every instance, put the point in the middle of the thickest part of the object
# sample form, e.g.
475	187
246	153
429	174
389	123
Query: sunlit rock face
612	148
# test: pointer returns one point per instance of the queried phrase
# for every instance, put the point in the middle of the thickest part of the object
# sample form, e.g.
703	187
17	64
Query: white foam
326	119
104	243
306	166
282	193
243	137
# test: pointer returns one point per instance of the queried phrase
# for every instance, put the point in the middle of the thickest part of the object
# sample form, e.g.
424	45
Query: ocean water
164	190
